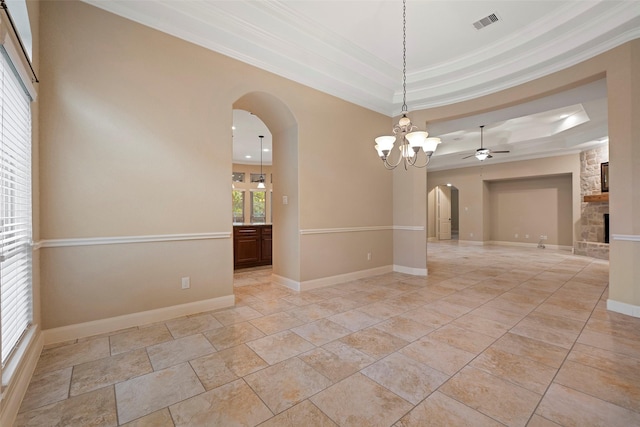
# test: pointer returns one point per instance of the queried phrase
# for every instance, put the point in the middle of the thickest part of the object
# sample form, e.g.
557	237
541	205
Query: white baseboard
410	270
330	281
14	391
530	245
472	242
95	327
623	308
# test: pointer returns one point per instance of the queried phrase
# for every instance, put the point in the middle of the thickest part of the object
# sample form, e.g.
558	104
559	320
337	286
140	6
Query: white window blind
15	208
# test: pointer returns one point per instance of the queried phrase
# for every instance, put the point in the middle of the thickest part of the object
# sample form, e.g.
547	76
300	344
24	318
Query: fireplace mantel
604	197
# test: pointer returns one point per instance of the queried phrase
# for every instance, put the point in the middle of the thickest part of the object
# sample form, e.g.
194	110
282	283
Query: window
258	206
237	176
238	205
255	177
15	208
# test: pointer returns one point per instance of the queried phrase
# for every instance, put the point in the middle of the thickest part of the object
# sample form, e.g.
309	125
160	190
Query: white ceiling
353	49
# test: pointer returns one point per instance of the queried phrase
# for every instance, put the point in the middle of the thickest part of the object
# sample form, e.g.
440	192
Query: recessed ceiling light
448	185
233	128
266	150
247	157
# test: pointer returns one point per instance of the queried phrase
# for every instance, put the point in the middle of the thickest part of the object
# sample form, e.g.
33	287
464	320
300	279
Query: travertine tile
230	316
538	421
438	355
303	414
336	360
143	395
382	310
97	408
231	336
296	381
276	322
99	373
240	360
192	325
401	327
310	313
233	404
321	331
505	318
610	342
374	342
606	360
531	375
569	407
45	388
470	341
143	337
481	325
177	351
555	330
439	410
278	347
494	397
428	317
74	354
213	372
271	306
406	377
371	406
161	418
614	387
354	320
539	351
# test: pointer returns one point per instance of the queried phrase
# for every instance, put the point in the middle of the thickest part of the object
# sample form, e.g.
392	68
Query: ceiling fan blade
502	151
489	156
473	155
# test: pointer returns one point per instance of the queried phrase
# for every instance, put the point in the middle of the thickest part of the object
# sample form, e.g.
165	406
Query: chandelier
411	140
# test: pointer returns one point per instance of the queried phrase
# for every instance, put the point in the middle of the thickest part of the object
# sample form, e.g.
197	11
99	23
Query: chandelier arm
389	165
422	166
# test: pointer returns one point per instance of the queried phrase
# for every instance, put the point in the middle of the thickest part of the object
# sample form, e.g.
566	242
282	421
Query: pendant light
411	140
261	179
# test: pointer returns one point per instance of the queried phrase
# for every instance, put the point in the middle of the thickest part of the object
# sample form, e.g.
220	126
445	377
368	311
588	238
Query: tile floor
493	336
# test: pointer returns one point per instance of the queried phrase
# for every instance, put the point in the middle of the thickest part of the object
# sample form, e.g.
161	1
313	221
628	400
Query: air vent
486	21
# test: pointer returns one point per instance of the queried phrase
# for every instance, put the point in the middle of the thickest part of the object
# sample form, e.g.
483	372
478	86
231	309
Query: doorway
445	209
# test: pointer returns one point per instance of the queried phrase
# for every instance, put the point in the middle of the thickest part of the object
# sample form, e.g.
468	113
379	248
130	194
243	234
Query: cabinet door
266	242
246	246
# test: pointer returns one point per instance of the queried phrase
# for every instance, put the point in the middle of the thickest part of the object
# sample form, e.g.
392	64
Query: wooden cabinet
251	245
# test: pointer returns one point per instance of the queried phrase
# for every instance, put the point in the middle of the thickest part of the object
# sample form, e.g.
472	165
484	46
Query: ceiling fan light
482	155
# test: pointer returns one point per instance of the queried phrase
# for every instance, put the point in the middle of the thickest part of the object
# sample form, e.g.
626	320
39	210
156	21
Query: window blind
15	208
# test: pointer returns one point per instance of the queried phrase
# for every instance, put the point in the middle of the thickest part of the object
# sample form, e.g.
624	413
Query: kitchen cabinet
252	245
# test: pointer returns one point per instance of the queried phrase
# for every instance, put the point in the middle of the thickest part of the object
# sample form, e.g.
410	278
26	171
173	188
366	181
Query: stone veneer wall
591	241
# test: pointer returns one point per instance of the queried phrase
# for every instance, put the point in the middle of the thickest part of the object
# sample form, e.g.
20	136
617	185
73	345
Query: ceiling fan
484	153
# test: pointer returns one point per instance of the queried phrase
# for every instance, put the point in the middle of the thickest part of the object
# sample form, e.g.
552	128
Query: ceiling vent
486	21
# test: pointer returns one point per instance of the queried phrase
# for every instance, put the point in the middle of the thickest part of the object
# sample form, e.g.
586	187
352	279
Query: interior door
443	212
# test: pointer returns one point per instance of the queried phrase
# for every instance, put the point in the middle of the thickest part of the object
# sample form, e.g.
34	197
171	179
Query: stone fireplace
594	219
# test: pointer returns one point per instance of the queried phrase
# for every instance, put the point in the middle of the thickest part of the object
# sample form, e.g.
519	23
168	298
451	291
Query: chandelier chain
404	56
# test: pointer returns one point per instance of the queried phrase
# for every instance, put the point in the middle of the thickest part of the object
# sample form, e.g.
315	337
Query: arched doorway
285	202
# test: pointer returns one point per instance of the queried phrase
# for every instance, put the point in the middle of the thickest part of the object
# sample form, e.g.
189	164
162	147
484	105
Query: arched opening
283	203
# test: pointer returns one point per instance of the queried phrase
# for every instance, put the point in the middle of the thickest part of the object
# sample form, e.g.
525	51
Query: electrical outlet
526	236
368	256
516	235
543	237
470	234
186	283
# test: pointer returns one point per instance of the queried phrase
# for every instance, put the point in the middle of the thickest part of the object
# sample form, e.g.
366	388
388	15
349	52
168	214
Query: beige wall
496	201
530	208
137	142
